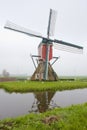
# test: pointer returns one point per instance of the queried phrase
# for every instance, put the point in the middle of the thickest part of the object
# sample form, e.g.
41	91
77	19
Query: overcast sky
71	26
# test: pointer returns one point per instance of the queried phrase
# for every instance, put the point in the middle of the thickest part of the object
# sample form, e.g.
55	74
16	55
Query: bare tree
5	73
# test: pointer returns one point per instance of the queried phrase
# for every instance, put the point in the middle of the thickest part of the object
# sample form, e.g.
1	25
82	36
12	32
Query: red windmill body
42	51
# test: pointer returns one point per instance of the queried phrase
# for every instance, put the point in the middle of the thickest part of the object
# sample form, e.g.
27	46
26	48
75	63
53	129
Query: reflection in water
43	101
15	104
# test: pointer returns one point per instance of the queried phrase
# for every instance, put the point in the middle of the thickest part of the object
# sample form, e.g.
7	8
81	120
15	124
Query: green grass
69	118
27	86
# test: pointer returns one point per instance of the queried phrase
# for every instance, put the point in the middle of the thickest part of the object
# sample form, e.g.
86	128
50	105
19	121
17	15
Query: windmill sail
51	23
61	45
12	26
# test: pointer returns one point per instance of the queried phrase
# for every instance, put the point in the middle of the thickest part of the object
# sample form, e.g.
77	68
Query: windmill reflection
43	102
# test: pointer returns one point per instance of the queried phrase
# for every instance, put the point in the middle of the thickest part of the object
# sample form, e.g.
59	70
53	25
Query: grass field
69	118
27	86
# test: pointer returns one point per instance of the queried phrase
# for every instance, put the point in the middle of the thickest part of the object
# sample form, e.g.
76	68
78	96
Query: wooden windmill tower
44	70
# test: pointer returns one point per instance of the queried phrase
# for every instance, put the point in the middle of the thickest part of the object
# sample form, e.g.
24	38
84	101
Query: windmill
44	70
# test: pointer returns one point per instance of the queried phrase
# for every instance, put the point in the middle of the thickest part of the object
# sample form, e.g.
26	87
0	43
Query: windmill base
39	72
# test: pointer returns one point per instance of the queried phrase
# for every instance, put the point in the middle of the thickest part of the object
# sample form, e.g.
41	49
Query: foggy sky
71	26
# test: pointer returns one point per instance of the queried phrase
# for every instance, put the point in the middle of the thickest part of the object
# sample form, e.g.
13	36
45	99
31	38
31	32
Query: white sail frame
15	27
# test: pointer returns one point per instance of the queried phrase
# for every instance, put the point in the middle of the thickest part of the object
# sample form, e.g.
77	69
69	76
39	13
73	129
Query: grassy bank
26	86
69	118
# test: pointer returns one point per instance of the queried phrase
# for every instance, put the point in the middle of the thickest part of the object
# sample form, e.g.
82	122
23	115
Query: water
15	104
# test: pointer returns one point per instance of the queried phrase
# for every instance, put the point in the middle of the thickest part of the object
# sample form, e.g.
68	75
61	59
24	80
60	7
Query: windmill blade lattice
64	46
15	27
52	22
